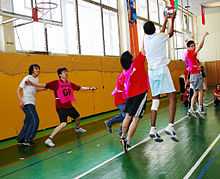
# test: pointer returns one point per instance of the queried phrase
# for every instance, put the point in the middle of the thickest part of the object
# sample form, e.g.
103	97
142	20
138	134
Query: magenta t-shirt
63	92
191	62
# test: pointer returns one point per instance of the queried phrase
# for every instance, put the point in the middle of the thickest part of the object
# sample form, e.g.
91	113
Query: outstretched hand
92	88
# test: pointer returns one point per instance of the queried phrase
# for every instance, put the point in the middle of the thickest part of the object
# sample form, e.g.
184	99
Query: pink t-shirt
63	92
191	62
136	78
119	91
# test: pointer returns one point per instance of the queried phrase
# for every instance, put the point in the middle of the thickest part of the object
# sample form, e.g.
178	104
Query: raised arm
202	42
171	30
163	29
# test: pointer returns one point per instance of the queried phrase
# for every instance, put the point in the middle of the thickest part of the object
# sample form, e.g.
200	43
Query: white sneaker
201	112
169	130
49	142
80	130
192	113
154	135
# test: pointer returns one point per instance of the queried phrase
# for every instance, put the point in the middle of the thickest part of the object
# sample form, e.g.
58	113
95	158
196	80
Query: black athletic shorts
63	113
135	106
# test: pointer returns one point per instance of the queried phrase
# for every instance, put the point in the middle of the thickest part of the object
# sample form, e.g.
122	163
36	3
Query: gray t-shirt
29	91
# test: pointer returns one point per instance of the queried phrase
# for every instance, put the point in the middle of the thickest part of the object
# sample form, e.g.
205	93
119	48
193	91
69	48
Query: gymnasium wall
213	72
211	49
84	70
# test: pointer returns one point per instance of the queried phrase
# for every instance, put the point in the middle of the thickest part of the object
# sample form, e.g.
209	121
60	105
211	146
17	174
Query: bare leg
132	128
193	100
57	129
200	98
172	106
77	122
125	125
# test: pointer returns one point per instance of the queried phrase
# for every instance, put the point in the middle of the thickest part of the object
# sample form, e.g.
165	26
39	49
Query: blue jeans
31	123
119	118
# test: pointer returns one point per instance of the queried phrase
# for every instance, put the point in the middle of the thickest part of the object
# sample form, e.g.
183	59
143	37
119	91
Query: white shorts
160	81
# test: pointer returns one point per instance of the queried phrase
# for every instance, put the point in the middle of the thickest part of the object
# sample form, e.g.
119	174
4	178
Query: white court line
121	153
202	158
207	104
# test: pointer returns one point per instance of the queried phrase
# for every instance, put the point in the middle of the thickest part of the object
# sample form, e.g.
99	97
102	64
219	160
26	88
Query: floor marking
195	166
121	153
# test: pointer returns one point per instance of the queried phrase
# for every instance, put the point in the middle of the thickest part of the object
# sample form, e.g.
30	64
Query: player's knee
155	104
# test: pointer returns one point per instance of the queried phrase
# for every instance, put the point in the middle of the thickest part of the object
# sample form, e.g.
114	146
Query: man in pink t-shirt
196	80
64	96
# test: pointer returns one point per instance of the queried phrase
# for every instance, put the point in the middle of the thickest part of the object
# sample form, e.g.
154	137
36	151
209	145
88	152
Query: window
140	24
6	5
190	24
70	28
179	21
153	10
179	45
90	26
162	6
111	3
141	7
111	32
29	37
185	22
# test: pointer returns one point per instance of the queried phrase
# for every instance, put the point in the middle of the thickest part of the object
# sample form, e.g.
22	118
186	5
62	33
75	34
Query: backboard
49	10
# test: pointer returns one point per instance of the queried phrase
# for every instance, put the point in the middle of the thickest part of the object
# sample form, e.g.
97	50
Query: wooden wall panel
86	71
212	72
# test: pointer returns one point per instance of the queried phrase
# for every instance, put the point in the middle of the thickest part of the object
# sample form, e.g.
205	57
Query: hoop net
44	8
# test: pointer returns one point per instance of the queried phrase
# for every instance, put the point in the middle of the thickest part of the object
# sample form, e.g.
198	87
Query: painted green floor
209	168
76	154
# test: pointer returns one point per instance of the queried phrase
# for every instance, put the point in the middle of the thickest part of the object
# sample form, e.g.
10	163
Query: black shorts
63	113
135	106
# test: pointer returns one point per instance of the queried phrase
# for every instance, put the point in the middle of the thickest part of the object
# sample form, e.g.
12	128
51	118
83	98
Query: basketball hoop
46	5
43	8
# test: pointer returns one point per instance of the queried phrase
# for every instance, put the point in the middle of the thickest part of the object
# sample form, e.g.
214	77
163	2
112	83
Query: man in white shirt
26	96
159	75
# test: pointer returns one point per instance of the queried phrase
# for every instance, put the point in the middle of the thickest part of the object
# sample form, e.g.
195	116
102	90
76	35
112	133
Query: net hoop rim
51	5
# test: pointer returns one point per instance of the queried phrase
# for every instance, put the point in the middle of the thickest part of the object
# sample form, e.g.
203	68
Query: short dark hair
190	42
126	60
60	70
149	28
31	68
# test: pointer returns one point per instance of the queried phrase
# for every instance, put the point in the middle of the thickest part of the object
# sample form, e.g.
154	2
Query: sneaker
124	144
192	113
108	127
203	112
80	130
26	144
49	142
200	114
169	130
154	135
